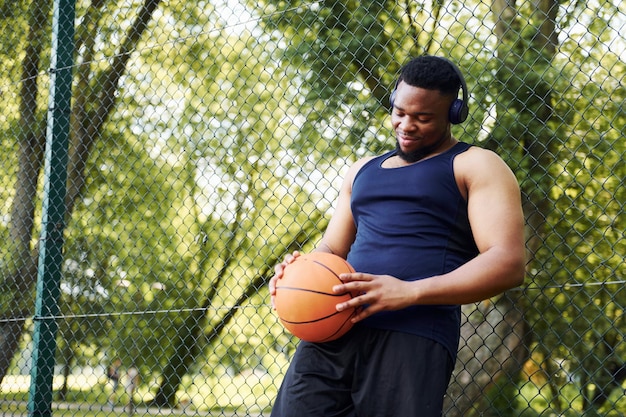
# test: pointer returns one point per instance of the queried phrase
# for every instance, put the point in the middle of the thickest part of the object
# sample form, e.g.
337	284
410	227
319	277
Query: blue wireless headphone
458	109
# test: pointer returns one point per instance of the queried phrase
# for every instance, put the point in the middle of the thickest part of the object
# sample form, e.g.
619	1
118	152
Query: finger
354	302
272	285
278	271
355	276
359	311
361	314
291	257
353	287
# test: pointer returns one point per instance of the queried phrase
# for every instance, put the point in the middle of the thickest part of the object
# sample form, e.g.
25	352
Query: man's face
420	121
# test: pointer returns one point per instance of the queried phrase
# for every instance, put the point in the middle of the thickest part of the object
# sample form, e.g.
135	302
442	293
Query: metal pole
51	242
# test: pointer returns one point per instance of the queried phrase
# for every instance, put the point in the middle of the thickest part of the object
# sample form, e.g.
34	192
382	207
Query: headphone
458	109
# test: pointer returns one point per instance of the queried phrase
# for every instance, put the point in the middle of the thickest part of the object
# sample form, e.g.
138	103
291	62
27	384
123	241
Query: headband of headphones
458	109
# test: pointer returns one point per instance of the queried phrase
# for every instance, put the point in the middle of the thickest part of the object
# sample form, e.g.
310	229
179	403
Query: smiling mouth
407	138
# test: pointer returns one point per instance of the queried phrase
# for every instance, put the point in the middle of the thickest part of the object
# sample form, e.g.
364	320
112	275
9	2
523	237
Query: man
132	382
434	224
113	374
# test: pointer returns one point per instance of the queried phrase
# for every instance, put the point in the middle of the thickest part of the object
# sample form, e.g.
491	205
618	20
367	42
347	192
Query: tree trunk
68	355
186	342
23	273
498	346
186	350
492	346
187	347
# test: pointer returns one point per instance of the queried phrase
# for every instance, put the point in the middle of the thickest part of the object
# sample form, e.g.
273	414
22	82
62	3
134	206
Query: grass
87	397
244	394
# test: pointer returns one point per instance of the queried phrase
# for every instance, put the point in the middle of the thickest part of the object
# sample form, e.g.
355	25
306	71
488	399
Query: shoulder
355	168
477	160
479	166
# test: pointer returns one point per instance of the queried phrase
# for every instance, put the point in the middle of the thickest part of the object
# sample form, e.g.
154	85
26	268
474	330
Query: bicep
340	233
494	205
341	230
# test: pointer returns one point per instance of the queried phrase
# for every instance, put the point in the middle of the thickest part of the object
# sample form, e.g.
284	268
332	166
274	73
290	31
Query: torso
412	223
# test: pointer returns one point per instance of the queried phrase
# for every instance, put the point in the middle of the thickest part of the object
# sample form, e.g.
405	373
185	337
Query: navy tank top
412	223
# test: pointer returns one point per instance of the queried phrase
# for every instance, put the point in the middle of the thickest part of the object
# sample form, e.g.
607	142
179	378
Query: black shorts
367	373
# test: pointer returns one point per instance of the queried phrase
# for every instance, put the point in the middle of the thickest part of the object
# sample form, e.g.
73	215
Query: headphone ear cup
458	112
392	98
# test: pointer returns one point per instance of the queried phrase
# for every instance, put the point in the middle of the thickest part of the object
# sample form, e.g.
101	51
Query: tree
522	135
243	232
530	77
89	112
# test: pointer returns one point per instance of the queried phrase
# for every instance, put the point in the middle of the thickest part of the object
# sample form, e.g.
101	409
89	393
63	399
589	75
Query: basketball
305	301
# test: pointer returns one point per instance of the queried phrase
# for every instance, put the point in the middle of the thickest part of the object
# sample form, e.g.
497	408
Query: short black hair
431	73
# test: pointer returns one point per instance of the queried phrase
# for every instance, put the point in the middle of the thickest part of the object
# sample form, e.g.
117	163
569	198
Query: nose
406	124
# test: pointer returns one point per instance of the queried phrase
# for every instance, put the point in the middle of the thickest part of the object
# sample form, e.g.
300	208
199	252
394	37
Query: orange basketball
305	301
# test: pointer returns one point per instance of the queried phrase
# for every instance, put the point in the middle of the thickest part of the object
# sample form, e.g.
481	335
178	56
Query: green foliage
226	150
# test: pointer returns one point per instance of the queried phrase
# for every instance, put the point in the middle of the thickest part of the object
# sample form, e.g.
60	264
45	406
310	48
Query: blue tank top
412	223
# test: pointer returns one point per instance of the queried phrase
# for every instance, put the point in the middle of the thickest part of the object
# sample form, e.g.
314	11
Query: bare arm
340	232
496	218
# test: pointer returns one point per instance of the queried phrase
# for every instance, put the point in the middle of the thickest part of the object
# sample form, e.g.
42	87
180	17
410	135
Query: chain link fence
208	139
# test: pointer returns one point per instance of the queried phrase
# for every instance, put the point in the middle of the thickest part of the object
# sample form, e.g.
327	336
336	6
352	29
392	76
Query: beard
421	153
413	156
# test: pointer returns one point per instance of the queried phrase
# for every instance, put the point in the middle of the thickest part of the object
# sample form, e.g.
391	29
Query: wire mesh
209	139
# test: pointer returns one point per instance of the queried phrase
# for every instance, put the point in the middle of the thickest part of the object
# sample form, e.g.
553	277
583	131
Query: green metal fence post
51	242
